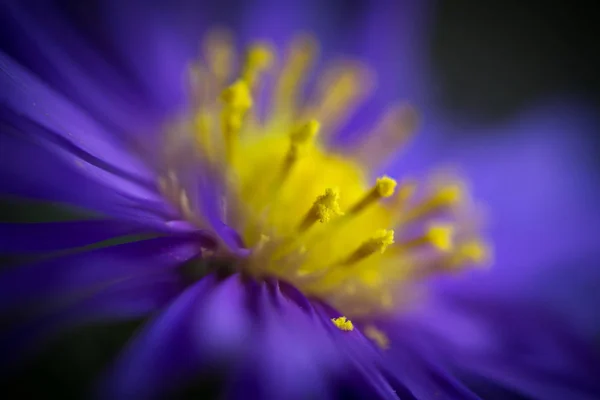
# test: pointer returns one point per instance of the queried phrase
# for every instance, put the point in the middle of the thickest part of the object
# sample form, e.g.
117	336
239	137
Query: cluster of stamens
358	248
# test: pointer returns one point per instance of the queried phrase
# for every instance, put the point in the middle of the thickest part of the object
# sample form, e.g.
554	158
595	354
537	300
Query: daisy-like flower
276	253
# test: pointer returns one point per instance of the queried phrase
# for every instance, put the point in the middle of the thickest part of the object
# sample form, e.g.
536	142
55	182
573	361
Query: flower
295	282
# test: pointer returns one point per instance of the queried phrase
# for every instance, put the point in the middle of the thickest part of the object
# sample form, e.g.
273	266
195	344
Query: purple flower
274	251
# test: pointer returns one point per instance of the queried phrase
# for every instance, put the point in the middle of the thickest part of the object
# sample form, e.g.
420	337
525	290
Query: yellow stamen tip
441	236
385	186
474	251
237	96
306	132
450	194
327	205
343	324
380	241
260	57
378	337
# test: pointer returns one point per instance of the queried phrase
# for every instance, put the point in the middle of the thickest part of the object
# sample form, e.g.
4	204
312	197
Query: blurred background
489	62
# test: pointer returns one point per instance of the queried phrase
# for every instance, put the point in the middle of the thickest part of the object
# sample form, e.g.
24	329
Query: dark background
491	60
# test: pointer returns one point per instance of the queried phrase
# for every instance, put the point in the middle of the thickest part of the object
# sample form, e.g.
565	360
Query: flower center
306	213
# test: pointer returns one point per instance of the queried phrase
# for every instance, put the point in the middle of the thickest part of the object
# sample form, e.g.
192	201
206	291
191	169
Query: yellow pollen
384	187
378	337
343	324
377	243
323	209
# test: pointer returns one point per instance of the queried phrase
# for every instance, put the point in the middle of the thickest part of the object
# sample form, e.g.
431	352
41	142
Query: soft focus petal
163	355
514	344
35	168
129	299
266	341
34	102
157	43
540	195
46	42
52	236
67	277
289	355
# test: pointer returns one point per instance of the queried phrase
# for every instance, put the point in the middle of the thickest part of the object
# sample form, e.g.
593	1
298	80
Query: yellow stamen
197	79
384	187
304	135
323	209
343	324
237	101
278	184
405	193
389	135
237	96
202	125
300	56
377	336
377	243
259	58
300	137
474	251
219	54
440	236
470	252
340	91
445	197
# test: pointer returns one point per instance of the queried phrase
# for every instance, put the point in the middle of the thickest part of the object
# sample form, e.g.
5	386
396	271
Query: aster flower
277	251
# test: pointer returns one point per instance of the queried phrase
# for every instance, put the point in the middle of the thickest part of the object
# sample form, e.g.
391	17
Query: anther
259	58
384	187
445	197
439	236
237	101
376	244
343	324
323	209
219	55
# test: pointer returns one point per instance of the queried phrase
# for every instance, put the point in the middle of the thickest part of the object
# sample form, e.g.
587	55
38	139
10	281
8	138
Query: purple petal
30	168
541	198
29	98
268	342
289	355
78	274
52	236
46	42
162	355
403	370
517	345
278	23
157	43
132	298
